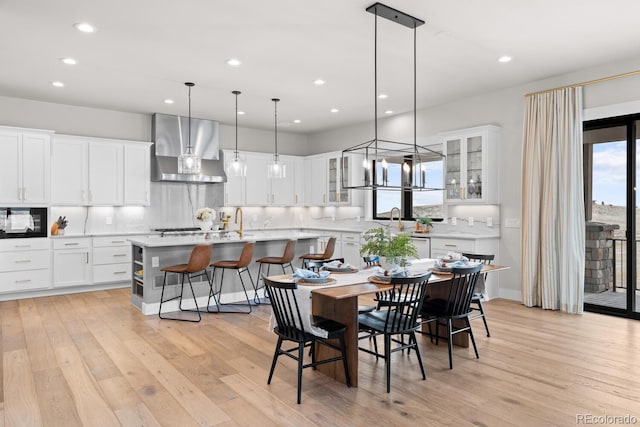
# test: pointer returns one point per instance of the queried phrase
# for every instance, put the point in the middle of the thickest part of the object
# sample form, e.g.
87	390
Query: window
412	204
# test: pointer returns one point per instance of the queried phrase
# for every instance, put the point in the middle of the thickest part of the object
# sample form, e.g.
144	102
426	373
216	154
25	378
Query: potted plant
395	250
423	224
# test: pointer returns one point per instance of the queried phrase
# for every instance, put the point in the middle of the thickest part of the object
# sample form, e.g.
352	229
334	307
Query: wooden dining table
339	302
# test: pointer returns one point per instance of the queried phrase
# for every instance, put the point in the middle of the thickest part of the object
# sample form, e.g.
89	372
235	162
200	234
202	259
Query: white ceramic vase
205	225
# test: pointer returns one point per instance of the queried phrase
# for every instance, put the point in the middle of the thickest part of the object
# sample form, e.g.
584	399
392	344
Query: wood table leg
344	311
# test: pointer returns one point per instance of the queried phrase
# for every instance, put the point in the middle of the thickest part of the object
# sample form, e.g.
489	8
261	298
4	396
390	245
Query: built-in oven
19	222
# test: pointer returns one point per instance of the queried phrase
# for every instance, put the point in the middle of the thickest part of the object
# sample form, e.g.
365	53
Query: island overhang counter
151	253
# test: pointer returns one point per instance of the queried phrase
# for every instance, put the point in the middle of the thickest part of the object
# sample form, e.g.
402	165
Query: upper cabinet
137	174
328	173
263	191
472	159
92	171
24	166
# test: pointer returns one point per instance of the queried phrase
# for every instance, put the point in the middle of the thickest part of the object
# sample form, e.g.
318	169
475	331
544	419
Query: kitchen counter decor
205	216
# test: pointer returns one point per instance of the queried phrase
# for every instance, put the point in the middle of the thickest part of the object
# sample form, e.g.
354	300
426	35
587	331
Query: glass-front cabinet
337	165
472	159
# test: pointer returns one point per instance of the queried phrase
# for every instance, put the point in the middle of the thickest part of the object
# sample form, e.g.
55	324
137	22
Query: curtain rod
587	83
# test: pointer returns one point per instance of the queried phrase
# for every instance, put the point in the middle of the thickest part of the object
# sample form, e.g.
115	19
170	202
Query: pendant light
276	169
236	166
189	162
384	160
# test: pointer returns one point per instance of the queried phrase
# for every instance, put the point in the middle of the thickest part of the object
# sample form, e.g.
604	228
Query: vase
205	225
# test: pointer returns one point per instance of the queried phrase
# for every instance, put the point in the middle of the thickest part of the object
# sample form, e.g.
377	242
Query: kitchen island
151	253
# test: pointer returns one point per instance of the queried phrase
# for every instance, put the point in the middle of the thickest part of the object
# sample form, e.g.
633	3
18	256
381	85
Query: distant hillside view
610	214
432	211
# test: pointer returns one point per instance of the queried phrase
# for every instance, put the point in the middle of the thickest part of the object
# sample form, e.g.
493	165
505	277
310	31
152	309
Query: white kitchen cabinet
263	191
316	180
324	180
24	166
25	265
111	259
69	171
350	248
472	173
105	173
137	174
234	188
71	262
442	245
423	245
298	182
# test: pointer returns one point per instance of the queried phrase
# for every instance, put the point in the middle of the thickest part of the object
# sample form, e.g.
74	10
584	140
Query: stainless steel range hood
170	134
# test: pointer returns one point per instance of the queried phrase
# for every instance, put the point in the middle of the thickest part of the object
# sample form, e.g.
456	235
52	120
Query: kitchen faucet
239	230
400	226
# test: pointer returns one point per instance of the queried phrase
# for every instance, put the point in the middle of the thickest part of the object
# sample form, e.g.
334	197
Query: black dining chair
476	300
398	320
455	306
289	327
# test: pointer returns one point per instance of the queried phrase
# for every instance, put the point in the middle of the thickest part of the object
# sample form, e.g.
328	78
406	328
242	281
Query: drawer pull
72	244
117	241
451	246
23	281
23	261
22	246
119	272
119	254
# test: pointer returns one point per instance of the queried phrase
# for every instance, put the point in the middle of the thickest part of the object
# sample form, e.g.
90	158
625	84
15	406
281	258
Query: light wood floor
92	359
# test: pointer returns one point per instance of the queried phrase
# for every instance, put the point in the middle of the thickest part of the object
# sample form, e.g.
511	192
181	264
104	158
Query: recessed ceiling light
297	121
334	110
241	113
383	96
504	58
318	82
85	27
57	84
168	101
388	112
233	62
68	61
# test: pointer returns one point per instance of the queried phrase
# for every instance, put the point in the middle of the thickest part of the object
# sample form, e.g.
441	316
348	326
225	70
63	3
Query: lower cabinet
351	248
423	245
111	259
71	262
24	265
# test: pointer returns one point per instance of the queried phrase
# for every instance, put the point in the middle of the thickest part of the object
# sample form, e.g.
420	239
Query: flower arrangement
205	214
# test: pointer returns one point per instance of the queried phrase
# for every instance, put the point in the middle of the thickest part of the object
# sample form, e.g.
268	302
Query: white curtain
553	224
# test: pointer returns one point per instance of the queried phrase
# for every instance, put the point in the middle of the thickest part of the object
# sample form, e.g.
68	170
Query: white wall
503	108
84	121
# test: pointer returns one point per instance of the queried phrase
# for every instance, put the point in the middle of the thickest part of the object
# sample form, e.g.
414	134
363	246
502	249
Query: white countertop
253	236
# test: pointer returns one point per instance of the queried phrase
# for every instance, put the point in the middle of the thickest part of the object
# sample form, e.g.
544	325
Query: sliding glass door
610	174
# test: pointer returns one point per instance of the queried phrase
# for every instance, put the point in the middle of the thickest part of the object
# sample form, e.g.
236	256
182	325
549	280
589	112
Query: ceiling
144	50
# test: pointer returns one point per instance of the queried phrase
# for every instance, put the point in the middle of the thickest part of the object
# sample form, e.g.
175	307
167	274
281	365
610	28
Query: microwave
19	222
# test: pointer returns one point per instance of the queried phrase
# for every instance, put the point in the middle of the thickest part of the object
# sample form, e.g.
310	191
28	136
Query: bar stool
283	261
326	255
197	266
241	266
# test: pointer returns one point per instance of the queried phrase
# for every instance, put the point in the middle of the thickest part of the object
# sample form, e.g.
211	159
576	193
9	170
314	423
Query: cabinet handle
119	254
296	199
324	198
87	259
451	246
273	198
117	241
146	196
338	197
23	281
72	244
22	261
21	246
119	272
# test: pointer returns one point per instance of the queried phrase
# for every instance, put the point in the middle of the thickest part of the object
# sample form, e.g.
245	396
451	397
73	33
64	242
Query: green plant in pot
395	250
423	223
